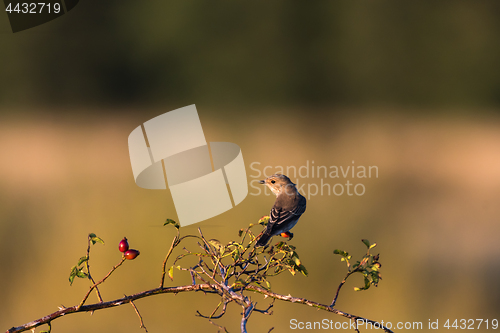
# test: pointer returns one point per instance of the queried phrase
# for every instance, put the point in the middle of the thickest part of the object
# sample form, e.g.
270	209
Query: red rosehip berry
131	254
123	246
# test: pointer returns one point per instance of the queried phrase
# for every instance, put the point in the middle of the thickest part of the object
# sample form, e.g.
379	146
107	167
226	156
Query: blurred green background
410	87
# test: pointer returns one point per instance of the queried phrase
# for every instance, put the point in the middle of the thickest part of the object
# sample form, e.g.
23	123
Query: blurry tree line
254	53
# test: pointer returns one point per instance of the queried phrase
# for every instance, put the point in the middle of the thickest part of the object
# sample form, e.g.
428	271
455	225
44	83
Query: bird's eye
272	181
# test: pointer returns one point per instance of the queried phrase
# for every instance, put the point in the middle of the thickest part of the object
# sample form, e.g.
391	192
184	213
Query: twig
175	242
88	270
266	311
215	310
98	283
138	314
212	254
220	327
206	243
340	286
356	326
328	308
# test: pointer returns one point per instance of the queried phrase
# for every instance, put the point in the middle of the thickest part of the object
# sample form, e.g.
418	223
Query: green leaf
74	270
170	221
238	284
94	239
82	260
81	274
303	270
171	273
295	258
264	220
297	261
366	242
236	255
215	243
218	246
72	274
268	284
367	283
342	253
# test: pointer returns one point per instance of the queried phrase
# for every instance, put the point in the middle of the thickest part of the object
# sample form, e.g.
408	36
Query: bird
287	209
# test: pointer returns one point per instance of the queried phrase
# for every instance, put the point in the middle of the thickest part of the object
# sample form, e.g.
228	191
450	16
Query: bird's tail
264	238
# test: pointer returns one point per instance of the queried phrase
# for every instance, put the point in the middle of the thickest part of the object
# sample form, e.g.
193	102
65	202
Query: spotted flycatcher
287	209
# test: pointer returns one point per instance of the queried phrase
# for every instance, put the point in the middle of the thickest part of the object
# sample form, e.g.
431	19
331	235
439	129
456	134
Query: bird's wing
281	215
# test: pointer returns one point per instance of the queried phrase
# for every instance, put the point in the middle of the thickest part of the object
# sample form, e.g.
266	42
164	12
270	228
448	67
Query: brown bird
287	209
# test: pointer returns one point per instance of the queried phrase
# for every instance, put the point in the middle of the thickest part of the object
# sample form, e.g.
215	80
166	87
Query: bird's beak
262	181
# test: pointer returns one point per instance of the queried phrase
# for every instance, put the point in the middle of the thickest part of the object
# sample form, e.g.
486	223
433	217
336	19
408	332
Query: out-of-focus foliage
281	53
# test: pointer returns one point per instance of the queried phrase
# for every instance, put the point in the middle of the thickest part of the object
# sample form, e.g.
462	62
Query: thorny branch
175	290
230	271
89	240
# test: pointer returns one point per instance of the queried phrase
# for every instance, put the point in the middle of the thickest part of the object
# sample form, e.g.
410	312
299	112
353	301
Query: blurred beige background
433	211
412	88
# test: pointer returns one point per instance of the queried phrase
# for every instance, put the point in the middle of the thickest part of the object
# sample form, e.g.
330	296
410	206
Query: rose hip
123	246
131	254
